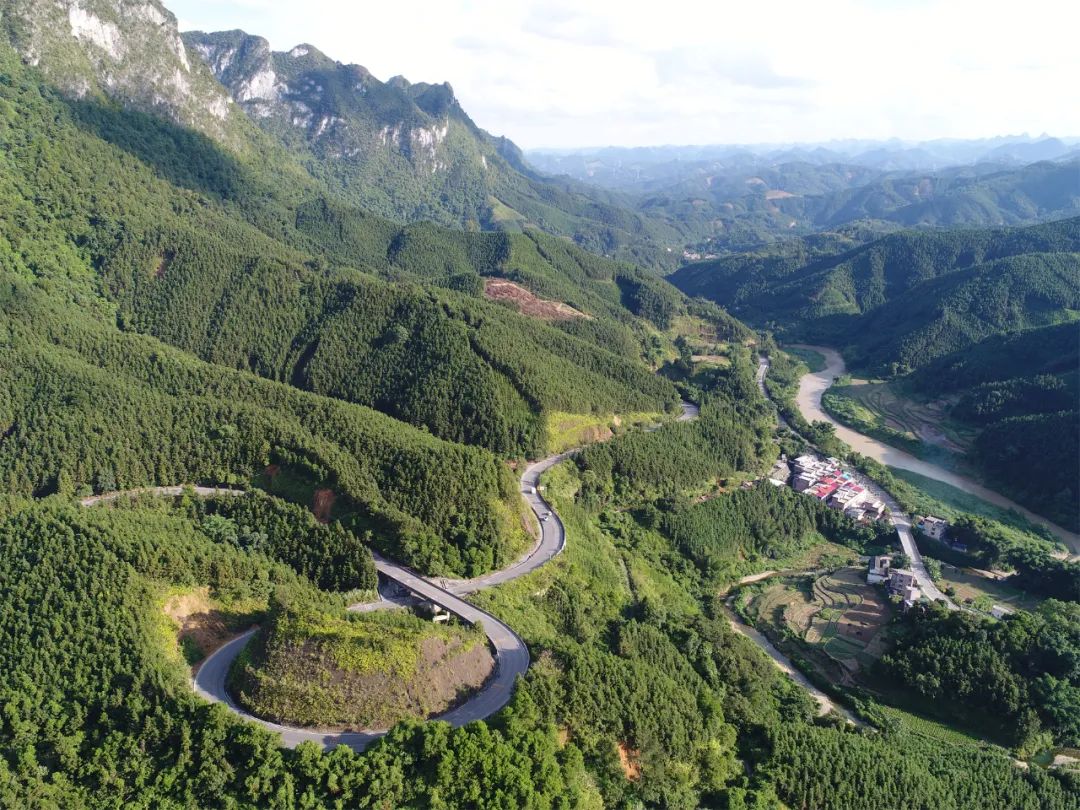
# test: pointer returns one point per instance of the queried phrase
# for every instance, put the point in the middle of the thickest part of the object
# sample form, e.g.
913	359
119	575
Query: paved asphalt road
512	656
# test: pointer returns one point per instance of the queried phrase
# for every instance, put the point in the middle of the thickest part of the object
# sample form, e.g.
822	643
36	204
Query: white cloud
702	71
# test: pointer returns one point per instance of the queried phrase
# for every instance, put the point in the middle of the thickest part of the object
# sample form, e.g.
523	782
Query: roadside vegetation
569	430
316	665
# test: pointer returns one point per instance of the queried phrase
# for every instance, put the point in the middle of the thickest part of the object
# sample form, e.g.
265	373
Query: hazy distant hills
634	168
740	197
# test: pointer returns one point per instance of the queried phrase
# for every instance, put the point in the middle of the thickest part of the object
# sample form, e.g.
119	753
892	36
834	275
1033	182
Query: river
814	384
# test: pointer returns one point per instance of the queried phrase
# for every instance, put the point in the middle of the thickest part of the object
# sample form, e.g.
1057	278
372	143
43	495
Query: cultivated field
981	591
879	405
836	621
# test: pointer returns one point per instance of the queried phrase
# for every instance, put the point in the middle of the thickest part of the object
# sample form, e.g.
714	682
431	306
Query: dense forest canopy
1018	676
212	305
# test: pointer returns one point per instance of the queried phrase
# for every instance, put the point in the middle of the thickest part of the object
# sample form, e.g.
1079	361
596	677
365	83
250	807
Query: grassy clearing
331	669
505	215
969	587
706	348
900	721
365	643
567	430
941	499
822	554
815	361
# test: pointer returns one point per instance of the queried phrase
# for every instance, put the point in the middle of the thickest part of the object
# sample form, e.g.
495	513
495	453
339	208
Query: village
843	490
826	480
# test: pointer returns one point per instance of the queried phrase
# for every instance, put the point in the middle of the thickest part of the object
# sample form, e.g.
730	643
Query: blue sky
598	72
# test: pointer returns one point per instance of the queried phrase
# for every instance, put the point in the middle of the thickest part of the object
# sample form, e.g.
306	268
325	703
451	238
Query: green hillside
203	248
316	664
888	301
190	297
1020	393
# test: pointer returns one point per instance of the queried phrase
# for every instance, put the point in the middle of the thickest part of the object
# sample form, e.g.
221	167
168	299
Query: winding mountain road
511	653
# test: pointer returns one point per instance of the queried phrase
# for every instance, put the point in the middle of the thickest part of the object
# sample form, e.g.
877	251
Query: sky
632	73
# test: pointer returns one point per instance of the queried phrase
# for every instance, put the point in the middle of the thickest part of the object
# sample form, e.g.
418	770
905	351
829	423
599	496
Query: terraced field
836	620
879	406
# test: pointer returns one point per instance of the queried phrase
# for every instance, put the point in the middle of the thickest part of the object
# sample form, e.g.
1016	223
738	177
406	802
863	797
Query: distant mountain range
740	197
639	168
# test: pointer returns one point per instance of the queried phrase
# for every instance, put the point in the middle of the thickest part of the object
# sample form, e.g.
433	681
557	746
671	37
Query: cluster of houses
901	581
827	481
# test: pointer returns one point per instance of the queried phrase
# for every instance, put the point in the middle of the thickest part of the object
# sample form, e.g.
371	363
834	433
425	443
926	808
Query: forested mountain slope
1020	393
411	153
202	247
907	297
965	196
87	408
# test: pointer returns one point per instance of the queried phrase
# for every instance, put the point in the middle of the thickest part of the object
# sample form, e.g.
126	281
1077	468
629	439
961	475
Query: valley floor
813	386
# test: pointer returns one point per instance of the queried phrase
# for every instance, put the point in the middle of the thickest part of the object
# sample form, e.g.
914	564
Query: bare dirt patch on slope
201	625
629	760
322	504
499	289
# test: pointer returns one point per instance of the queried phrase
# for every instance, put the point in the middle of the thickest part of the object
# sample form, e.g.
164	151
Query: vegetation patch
527	303
567	430
982	590
201	623
315	666
814	360
1016	679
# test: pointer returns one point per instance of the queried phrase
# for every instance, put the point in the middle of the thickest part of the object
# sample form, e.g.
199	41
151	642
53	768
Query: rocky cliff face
127	50
404	151
398	148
